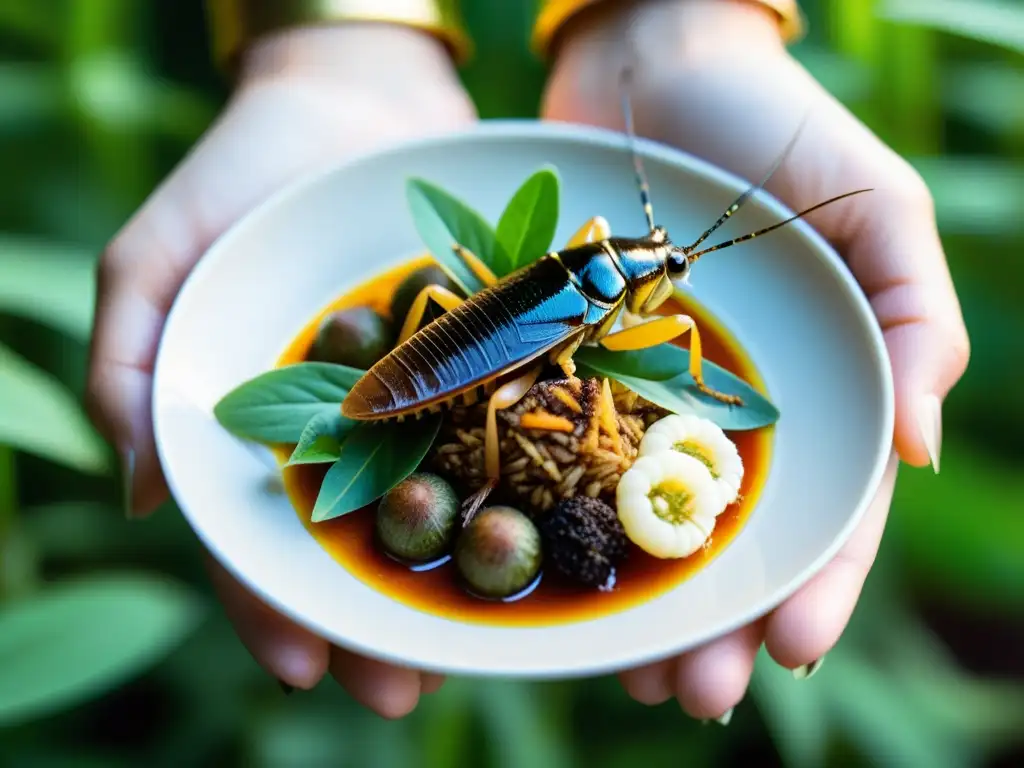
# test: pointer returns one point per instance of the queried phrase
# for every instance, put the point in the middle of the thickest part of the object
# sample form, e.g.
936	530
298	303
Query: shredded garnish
545	421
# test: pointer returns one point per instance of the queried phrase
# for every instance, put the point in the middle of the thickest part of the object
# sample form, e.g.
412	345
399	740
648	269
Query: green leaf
527	225
793	713
374	458
997	22
933	515
660	363
75	640
40	416
442	221
320	442
48	283
276	406
877	715
447	724
519	726
680	394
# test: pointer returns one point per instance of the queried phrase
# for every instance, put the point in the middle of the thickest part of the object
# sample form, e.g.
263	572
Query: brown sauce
350	539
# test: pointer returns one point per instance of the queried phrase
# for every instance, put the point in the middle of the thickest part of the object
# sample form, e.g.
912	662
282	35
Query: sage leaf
442	221
680	395
48	283
660	363
276	406
527	225
374	458
320	441
71	641
39	415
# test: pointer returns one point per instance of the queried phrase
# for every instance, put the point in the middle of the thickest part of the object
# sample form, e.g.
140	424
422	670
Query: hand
305	99
713	77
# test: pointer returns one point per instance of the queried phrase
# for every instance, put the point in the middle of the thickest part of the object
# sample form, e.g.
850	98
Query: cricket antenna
625	81
692	257
749	192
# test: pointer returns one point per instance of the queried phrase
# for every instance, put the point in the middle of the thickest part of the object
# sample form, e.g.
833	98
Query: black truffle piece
584	540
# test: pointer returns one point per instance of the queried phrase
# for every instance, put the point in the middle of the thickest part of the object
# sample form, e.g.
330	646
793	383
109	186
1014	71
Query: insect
497	342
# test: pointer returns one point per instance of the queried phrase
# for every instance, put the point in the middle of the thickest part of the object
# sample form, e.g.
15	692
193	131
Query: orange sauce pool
641	577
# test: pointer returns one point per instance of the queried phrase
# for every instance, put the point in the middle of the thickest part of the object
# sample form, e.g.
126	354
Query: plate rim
531	129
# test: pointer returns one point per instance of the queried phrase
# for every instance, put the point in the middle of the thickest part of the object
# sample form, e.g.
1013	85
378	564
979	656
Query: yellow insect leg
438	293
564	359
595	229
505	396
663	329
481	270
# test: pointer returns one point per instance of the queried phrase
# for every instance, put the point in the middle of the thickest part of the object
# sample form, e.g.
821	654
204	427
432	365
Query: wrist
353	69
658	34
346	51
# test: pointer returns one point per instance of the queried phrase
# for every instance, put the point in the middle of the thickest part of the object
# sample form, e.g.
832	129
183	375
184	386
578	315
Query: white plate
787	298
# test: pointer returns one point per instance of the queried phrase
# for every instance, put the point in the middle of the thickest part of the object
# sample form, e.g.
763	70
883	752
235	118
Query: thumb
897	256
140	273
144	266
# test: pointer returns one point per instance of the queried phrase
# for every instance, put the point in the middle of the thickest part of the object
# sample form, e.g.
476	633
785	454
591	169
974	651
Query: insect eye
678	264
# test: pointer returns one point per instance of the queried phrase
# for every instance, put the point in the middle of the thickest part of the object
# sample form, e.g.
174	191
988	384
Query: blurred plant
109	654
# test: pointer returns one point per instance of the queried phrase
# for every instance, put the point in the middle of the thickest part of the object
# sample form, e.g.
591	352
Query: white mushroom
668	502
703	440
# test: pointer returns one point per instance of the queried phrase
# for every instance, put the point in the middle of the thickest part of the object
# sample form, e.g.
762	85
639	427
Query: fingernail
285	687
807	671
127	481
723	720
929	421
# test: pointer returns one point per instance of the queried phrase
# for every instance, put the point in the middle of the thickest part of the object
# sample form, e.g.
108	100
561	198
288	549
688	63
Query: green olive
499	552
357	337
416	519
407	291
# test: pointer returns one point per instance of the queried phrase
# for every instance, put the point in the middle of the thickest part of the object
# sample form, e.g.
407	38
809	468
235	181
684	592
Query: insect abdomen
490	334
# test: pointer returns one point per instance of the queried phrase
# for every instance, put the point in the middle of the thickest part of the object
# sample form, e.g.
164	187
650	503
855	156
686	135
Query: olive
499	552
357	337
407	291
416	519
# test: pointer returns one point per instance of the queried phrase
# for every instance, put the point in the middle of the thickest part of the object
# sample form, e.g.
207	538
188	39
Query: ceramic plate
787	298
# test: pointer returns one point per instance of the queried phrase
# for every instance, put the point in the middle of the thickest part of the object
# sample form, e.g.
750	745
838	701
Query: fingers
390	691
650	685
710	681
138	277
897	257
430	682
707	682
285	650
809	624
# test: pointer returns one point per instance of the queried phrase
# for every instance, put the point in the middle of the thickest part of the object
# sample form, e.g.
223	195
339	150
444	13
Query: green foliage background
112	651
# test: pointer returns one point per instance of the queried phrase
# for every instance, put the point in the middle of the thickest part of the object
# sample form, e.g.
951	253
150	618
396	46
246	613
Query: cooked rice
539	467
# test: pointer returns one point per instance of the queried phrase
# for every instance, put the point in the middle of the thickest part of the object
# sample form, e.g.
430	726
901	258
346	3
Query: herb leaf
680	395
527	225
442	221
320	442
276	406
374	458
660	363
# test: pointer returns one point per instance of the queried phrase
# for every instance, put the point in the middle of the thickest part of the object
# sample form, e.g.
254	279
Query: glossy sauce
350	539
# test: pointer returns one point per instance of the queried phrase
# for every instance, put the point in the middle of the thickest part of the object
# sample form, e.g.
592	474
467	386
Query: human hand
714	78
306	98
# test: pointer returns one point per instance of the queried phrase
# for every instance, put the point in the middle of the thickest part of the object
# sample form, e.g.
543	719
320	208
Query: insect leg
660	330
438	293
481	270
505	396
594	230
563	356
